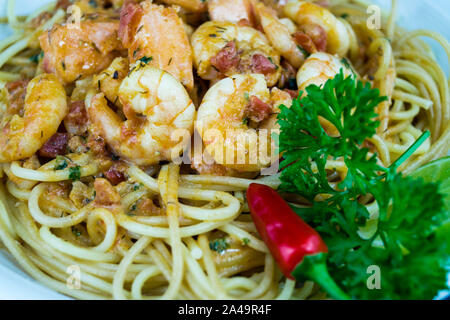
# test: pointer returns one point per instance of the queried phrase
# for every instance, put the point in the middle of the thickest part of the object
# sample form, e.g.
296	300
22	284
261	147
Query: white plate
413	14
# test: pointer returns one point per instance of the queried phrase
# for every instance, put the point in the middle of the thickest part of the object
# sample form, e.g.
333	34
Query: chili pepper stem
319	274
314	268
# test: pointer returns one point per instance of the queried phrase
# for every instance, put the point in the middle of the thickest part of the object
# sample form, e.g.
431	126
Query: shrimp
232	114
73	52
225	49
45	107
313	19
156	105
279	35
189	5
157	34
318	69
230	10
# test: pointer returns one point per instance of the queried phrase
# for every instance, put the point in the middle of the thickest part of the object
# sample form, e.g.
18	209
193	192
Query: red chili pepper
298	249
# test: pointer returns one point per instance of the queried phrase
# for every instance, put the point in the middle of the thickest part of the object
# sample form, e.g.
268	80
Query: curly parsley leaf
346	105
406	241
406	247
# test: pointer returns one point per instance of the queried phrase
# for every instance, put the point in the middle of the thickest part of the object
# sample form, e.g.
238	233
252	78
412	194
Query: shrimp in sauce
156	105
319	27
236	108
223	49
157	35
73	52
319	68
24	132
280	35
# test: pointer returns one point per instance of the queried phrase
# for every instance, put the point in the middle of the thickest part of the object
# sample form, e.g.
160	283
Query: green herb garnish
76	232
271	61
146	59
37	57
219	245
75	173
61	163
305	53
404	242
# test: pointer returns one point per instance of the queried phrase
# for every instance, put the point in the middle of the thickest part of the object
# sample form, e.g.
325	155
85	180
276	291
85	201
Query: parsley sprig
405	242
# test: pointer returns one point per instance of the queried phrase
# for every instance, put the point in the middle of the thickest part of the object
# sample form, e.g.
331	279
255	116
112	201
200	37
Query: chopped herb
76	232
219	245
170	61
132	209
137	186
93	3
246	96
292	84
75	173
213	35
61	163
63	64
87	201
305	53
95	47
146	59
271	60
37	57
344	16
116	75
345	62
246	241
245	121
114	157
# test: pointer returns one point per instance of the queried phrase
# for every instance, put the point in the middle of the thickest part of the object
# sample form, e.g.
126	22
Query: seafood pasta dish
224	149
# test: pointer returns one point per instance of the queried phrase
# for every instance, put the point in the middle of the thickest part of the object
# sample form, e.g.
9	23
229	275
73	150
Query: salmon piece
156	35
231	10
73	52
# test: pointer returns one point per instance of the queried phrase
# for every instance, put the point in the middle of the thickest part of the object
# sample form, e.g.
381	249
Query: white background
413	14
